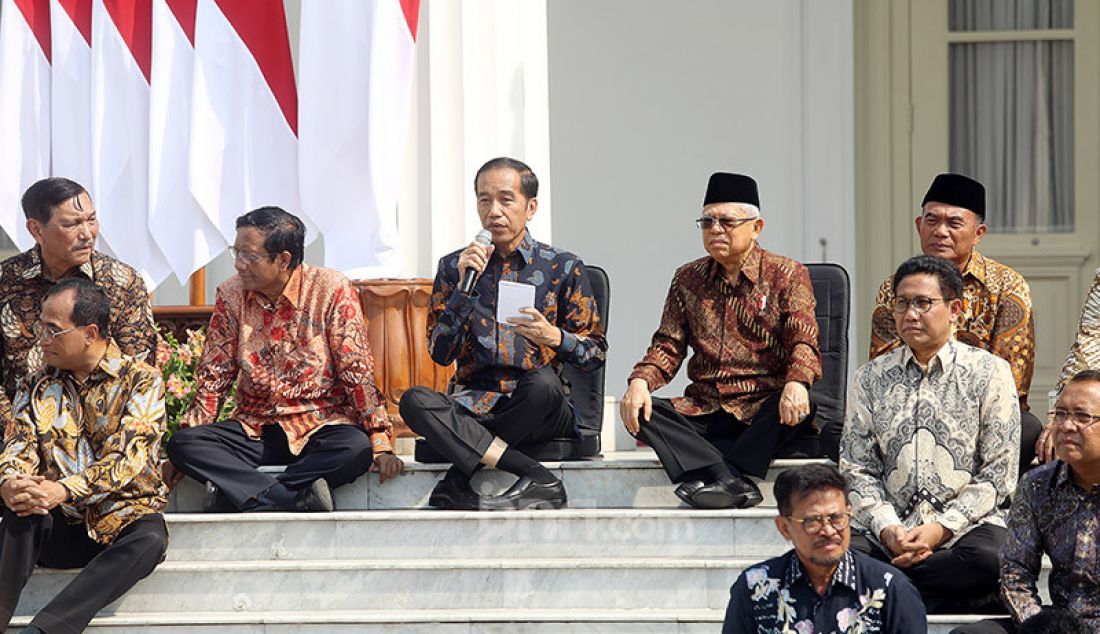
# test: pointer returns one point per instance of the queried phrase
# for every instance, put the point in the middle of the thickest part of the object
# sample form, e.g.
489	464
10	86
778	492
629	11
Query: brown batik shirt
749	338
996	317
23	286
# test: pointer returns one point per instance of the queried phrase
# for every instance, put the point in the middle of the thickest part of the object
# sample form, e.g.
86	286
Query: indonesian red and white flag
356	62
244	112
122	32
182	231
71	91
24	108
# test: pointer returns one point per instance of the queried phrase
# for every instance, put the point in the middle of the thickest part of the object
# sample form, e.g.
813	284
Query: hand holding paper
511	297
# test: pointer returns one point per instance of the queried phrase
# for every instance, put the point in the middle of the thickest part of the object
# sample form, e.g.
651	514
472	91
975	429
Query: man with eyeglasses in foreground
64	224
996	315
748	315
931	447
80	475
821	585
1056	512
292	336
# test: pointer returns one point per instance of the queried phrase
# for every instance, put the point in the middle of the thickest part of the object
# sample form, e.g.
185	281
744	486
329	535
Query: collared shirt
931	444
23	286
99	439
491	357
1085	353
300	362
1051	514
865	596
749	338
996	316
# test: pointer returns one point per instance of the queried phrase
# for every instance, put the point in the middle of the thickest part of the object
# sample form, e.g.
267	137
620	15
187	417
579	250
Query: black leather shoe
450	495
527	494
688	489
317	497
214	502
740	493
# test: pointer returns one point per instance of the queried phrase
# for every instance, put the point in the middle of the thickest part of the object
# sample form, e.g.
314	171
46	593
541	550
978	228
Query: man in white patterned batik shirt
931	446
820	585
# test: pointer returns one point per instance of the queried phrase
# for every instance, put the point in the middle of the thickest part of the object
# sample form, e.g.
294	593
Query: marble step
554	621
475	584
627	479
422	534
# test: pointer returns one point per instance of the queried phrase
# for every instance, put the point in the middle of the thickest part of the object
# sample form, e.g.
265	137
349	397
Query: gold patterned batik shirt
996	317
23	286
99	439
1085	353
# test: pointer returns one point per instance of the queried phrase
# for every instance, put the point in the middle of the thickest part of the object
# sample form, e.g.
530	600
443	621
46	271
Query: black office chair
832	290
585	392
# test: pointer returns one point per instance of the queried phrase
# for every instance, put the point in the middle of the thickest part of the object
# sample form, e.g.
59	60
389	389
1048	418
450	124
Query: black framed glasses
814	524
901	305
706	223
1081	419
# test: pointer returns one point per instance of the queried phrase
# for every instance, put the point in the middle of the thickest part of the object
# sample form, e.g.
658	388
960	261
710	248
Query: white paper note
512	296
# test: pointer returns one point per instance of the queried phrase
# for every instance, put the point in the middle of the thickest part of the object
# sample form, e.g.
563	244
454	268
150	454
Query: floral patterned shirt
748	338
300	362
865	597
931	444
99	439
491	357
1051	514
997	316
1085	352
23	286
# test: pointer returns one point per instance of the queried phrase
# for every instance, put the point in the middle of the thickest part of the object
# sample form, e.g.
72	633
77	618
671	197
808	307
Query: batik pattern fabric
23	287
996	316
1085	352
301	362
865	596
748	338
1052	514
491	357
99	439
935	443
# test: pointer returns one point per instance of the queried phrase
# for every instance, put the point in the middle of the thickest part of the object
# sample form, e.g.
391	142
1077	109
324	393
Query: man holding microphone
506	389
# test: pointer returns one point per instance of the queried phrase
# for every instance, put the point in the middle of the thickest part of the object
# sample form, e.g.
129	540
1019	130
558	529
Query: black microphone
466	286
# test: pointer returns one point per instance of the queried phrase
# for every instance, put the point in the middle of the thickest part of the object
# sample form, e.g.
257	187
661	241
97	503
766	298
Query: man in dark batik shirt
506	390
62	220
748	314
821	585
1056	511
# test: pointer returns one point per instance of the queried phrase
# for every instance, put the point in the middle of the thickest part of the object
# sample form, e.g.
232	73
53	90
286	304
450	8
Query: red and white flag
356	61
244	112
71	91
24	108
182	231
122	32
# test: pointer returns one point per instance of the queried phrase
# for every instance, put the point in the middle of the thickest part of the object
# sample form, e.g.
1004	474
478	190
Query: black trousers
988	626
49	541
537	410
1030	428
223	453
686	444
960	579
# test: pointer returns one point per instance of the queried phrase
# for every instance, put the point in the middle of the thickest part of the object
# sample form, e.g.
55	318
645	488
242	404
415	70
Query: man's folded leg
222	454
963	577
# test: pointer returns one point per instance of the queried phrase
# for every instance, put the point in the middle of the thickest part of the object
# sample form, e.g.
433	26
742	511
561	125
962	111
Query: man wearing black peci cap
996	314
748	316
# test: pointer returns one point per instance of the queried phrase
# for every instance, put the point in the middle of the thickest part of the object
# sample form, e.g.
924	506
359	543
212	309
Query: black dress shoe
317	497
214	502
740	493
527	494
450	495
688	489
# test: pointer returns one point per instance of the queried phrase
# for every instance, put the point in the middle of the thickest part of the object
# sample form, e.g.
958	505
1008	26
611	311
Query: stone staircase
625	557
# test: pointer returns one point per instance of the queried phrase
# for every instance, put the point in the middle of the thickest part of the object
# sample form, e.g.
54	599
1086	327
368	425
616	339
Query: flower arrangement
178	362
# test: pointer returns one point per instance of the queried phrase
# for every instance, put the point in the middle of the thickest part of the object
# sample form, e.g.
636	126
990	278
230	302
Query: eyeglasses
813	524
901	305
1081	419
46	332
706	223
249	258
